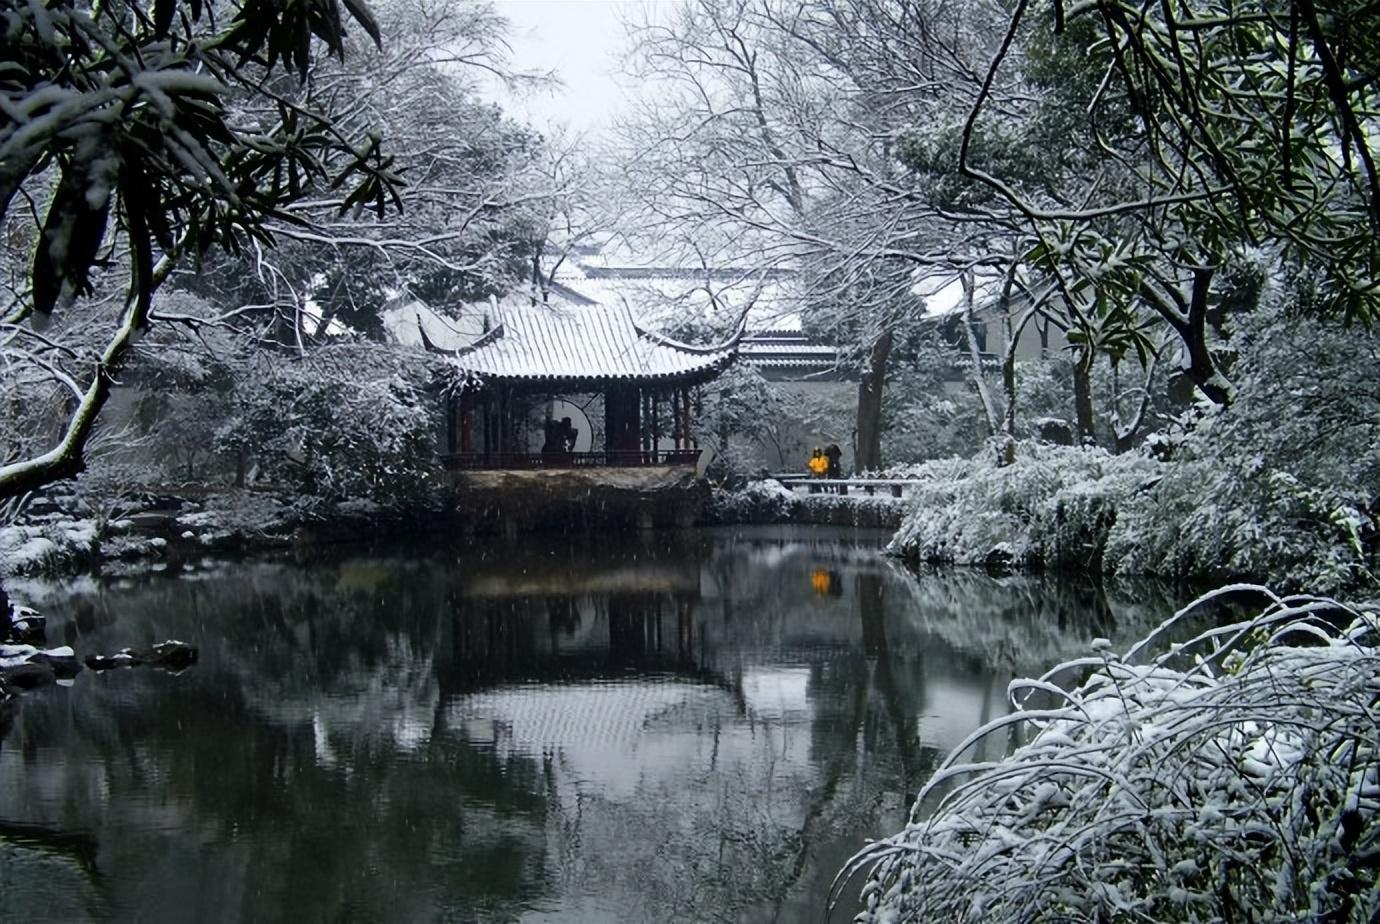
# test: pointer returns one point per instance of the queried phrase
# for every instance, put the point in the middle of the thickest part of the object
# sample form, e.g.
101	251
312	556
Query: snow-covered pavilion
631	390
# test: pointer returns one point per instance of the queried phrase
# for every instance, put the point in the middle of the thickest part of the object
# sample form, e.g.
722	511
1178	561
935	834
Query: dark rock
999	559
26	676
1051	430
62	665
27	627
124	658
172	655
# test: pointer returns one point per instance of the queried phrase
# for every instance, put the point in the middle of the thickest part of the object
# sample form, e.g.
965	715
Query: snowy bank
188	527
1233	777
1192	518
1055	505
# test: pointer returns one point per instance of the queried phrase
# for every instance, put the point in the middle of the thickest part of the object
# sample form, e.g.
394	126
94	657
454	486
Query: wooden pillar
656	421
490	433
622	418
608	420
688	439
646	437
675	417
699	412
465	409
500	418
680	402
507	426
452	424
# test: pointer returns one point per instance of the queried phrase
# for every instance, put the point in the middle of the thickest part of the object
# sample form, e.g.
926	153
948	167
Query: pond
692	727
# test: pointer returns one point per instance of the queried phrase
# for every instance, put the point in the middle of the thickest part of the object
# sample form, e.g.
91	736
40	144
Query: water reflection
693	729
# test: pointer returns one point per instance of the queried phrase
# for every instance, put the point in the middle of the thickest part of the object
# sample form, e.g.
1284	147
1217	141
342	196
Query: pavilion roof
585	343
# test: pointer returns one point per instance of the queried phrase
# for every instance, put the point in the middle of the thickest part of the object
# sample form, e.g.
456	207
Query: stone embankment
173	528
768	502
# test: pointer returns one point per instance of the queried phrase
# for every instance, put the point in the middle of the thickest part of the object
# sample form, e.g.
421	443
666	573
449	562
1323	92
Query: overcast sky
582	41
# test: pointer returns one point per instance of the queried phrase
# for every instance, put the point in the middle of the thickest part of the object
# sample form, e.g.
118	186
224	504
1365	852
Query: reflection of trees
900	684
317	758
284	780
1025	623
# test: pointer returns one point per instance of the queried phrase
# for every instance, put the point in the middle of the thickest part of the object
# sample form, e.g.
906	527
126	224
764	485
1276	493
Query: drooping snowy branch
1234	773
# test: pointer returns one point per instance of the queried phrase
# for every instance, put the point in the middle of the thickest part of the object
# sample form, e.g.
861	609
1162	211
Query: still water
696	728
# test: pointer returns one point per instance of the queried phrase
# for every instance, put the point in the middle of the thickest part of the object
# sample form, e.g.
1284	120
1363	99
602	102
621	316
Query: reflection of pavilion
528	618
562	639
520	574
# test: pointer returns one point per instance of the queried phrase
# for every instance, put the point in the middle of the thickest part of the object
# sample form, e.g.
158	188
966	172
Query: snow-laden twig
1235	776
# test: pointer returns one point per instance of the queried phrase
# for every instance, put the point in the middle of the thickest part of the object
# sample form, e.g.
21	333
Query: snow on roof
663	295
943	291
776	350
415	324
583	342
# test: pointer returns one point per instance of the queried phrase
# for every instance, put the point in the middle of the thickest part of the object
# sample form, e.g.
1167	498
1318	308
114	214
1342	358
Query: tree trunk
1126	434
1008	391
1082	396
1190	323
869	451
1012	333
975	355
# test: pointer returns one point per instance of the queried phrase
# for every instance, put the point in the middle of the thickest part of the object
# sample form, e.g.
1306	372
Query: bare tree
137	143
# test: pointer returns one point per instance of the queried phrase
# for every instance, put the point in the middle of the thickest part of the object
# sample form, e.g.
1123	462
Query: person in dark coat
832	454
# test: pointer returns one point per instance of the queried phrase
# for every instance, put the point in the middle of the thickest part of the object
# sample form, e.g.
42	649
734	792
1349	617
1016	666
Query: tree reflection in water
692	728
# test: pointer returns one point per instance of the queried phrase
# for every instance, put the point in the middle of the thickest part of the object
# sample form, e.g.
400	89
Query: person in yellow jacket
819	466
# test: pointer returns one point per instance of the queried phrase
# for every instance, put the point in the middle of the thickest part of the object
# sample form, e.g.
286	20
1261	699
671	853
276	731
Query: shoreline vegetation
1077	510
1232	774
57	542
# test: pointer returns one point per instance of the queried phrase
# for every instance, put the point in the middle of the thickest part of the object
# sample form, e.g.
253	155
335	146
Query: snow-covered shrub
37	547
225	515
108	490
1283	483
1055	504
734	466
766	501
351	421
1233	777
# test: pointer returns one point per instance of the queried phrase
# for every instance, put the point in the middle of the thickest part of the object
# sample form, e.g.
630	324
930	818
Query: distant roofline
681	272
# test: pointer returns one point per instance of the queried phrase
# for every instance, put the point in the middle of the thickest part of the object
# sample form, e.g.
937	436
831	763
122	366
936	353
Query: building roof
585	343
787	350
666	295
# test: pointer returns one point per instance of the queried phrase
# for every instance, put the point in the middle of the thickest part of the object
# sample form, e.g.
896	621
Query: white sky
582	41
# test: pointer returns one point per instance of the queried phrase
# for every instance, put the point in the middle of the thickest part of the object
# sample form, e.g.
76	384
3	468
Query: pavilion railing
535	460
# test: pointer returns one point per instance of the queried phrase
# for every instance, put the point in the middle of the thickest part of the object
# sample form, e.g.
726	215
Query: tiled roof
786	350
663	296
542	342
